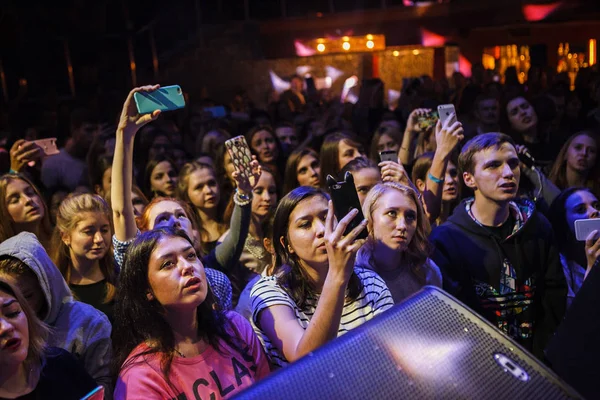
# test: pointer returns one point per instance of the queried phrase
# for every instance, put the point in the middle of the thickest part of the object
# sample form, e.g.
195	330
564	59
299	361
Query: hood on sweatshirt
26	247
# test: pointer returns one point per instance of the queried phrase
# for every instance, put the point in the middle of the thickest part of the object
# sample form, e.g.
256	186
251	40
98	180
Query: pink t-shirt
210	375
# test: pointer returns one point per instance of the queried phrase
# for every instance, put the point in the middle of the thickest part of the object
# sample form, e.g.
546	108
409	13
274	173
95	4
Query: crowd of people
142	260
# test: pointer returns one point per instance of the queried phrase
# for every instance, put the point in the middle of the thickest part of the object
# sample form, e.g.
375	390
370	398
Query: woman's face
308	171
169	214
306	231
264	145
31	290
106	183
386	143
163	179
581	205
450	191
14	332
203	189
176	275
521	114
22	202
346	153
394	220
90	238
581	155
264	195
364	180
138	204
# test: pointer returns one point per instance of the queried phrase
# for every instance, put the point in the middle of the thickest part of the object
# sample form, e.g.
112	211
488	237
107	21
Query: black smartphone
388	155
345	198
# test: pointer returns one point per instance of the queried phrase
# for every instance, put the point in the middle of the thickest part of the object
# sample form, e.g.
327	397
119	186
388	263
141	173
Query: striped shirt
373	299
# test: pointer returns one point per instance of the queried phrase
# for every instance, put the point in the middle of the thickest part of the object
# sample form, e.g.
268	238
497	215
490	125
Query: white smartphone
48	146
446	111
583	227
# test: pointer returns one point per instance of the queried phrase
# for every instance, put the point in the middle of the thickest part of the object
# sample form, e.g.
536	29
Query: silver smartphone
446	111
583	227
388	155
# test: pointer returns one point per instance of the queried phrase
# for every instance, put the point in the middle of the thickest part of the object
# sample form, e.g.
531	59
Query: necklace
178	352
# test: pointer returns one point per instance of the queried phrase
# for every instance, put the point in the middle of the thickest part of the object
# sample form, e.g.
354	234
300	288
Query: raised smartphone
48	146
240	154
345	198
583	227
166	98
446	111
388	155
428	120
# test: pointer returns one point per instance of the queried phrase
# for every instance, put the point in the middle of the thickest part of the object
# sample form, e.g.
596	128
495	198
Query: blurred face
264	195
364	180
394	220
287	136
581	155
203	189
581	205
31	290
297	84
386	143
496	174
450	192
229	167
521	114
23	204
106	183
263	144
306	231
90	238
488	112
176	274
138	204
346	153
14	332
160	146
163	179
308	170
169	214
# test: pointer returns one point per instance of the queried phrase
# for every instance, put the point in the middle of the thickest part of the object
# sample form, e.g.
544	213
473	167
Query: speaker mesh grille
427	347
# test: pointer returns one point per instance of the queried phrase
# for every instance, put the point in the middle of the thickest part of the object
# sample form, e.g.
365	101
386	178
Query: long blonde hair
419	247
38	331
68	215
7	228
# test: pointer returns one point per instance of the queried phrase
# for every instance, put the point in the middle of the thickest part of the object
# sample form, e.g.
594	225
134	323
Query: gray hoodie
77	327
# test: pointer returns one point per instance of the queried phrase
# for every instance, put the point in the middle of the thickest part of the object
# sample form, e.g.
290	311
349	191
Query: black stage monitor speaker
574	352
430	346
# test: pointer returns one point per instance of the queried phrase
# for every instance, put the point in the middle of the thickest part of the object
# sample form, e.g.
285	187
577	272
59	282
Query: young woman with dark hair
160	178
302	169
316	293
577	163
338	149
265	145
170	340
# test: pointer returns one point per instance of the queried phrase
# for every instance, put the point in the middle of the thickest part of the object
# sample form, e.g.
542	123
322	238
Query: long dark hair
329	155
138	320
147	186
292	277
291	175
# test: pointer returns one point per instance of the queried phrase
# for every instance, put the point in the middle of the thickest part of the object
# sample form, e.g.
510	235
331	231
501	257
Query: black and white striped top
374	299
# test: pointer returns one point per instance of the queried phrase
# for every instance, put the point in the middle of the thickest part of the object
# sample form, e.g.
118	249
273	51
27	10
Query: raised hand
131	121
341	250
246	184
22	153
412	124
448	135
394	172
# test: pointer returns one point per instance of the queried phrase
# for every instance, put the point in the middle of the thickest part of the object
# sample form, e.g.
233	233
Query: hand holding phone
583	227
388	155
166	98
345	199
447	112
241	156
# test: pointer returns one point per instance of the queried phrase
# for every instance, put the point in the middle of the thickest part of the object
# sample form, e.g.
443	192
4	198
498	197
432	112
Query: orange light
592	48
321	47
345	38
346	46
396	53
416	52
369	37
370	44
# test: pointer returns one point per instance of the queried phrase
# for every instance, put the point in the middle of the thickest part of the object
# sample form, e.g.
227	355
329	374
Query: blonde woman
82	250
397	247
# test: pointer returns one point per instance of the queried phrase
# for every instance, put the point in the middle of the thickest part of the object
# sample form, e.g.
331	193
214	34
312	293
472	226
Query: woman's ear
420	185
66	238
286	246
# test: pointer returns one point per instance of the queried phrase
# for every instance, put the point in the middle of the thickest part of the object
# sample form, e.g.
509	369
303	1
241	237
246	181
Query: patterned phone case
240	155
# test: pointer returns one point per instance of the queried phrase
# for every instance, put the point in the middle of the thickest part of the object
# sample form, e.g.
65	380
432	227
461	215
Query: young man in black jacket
496	252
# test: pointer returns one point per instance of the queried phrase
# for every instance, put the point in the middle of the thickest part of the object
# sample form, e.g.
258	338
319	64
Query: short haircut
480	143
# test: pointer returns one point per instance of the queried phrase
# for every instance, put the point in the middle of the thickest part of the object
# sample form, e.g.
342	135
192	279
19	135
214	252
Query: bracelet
433	178
13	172
242	199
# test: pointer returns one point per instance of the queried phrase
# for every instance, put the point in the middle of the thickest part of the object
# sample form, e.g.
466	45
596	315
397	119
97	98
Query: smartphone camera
178	90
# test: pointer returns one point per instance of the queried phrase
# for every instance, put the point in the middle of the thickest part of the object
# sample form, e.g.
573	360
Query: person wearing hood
76	327
497	253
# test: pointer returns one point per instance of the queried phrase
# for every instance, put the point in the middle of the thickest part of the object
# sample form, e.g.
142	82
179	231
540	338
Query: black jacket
517	283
